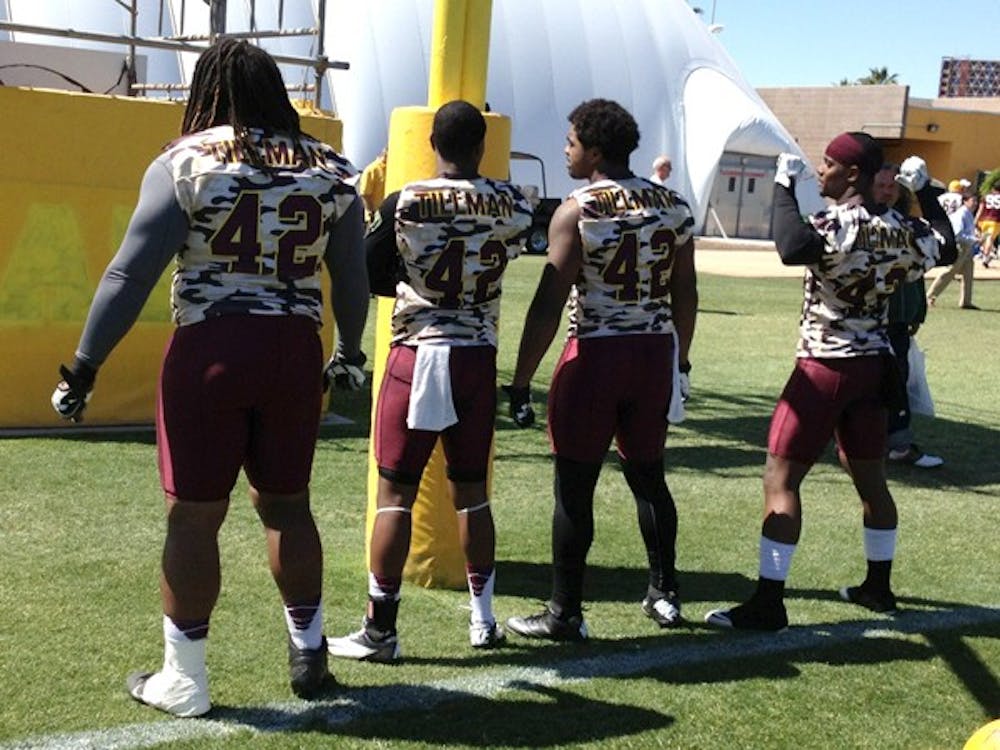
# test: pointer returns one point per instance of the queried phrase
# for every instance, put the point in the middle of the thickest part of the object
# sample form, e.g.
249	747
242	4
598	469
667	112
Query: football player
250	208
855	253
440	247
621	249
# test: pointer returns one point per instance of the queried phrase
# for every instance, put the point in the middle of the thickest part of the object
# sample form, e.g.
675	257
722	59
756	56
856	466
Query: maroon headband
851	151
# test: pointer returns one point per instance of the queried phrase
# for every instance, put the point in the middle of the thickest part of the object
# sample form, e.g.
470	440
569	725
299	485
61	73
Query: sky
818	43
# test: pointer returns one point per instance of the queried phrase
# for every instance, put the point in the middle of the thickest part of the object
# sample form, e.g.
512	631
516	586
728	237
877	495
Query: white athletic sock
383	588
775	559
481	594
305	625
880	544
180	653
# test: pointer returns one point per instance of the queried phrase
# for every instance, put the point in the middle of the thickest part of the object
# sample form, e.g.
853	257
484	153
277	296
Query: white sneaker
177	694
362	647
486	634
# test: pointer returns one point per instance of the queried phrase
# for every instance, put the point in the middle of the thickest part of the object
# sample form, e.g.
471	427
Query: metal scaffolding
182	42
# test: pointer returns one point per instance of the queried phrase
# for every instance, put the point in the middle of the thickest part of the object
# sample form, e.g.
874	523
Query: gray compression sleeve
155	234
345	262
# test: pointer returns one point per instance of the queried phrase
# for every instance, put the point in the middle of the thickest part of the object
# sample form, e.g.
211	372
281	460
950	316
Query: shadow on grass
457	718
617	584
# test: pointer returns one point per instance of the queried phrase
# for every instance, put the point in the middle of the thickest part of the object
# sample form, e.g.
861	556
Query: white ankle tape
393	509
474	508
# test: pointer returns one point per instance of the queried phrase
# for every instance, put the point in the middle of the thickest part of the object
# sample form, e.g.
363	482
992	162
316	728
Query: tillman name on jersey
883	237
616	201
276	154
445	203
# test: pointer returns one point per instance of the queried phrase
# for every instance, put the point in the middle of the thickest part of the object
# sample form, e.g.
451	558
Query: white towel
675	414
431	405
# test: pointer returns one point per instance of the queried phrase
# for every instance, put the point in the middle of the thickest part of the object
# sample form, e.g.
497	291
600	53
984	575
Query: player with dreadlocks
249	208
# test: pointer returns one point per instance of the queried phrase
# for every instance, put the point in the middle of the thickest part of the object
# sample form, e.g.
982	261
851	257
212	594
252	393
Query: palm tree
878	77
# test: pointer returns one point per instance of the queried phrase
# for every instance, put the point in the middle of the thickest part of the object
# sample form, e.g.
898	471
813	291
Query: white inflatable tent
656	57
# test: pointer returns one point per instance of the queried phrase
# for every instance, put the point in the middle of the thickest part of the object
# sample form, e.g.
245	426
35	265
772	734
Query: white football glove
790	168
913	174
72	393
345	374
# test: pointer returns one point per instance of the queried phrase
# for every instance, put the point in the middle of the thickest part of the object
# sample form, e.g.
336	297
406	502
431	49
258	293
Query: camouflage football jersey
845	307
629	229
257	236
455	237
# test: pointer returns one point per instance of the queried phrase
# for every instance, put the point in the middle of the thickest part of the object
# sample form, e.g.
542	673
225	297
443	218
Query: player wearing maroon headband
855	252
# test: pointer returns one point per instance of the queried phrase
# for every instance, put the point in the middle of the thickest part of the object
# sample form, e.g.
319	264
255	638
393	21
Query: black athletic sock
877	580
572	532
657	522
769	591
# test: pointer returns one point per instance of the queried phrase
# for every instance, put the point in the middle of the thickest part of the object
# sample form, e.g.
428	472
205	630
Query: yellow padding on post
436	558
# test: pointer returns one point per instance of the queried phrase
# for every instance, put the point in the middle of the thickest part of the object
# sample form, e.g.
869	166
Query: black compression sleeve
381	251
935	215
797	243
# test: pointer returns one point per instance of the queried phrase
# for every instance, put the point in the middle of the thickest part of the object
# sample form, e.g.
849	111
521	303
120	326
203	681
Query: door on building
741	199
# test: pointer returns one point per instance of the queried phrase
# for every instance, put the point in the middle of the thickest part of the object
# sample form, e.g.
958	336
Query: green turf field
81	528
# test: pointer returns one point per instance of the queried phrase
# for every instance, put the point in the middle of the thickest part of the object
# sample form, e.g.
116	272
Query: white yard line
487	682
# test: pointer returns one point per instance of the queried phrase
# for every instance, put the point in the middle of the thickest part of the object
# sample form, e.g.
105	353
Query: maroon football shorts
402	453
239	390
611	386
838	397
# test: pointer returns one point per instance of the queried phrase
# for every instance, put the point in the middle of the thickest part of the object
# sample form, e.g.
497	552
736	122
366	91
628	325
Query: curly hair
236	83
606	125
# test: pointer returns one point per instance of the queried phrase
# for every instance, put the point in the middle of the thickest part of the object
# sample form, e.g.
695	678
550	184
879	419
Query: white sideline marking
297	715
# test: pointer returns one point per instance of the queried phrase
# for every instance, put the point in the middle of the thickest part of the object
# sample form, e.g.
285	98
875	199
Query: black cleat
307	670
753	615
547	625
665	611
884	602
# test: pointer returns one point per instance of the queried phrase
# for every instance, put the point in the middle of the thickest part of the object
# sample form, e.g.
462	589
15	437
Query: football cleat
486	634
367	644
547	625
665	611
181	695
753	615
884	602
307	669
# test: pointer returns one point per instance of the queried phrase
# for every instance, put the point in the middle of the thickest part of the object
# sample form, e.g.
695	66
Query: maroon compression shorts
239	390
838	397
402	453
611	386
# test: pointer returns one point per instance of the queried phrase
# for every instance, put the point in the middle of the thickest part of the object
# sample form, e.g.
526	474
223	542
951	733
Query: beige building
957	136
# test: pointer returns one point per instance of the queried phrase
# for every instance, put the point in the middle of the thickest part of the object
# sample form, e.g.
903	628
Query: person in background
907	312
855	252
622	250
371	185
662	167
250	208
963	223
439	246
988	217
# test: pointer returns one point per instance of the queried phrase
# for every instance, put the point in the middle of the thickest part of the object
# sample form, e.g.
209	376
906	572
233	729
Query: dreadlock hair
236	83
608	126
458	129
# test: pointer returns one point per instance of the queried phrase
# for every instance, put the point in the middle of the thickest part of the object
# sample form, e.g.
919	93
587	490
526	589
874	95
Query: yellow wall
72	168
962	144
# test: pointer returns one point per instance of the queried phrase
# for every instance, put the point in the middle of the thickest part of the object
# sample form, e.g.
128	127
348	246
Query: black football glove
71	395
520	405
345	373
